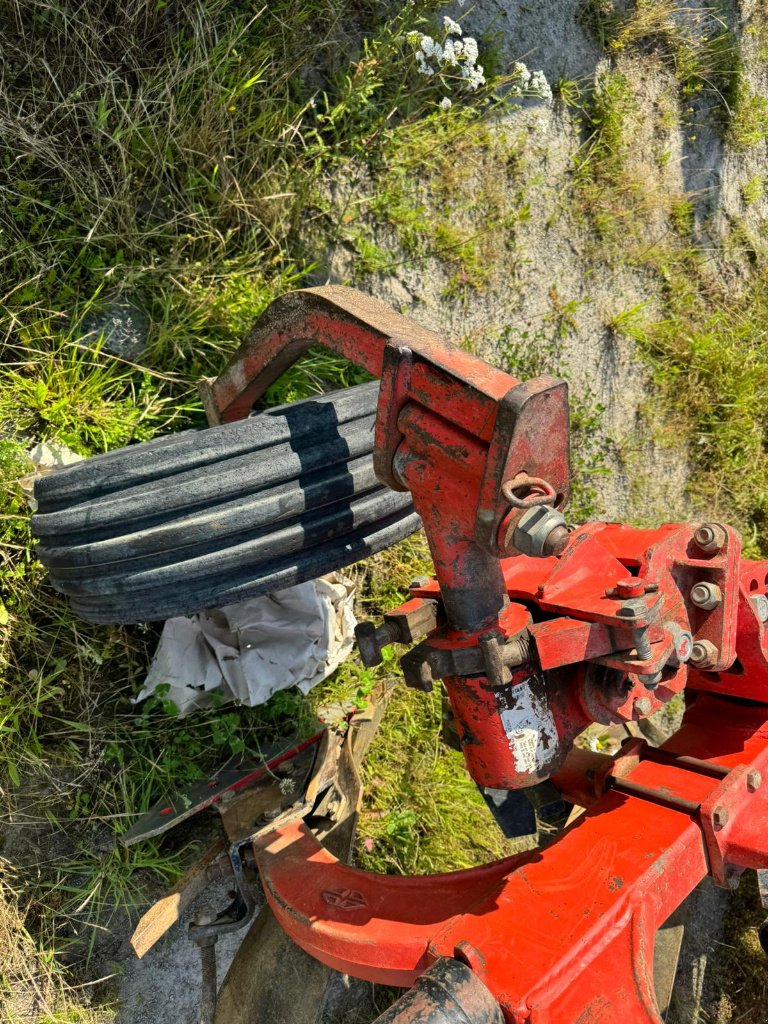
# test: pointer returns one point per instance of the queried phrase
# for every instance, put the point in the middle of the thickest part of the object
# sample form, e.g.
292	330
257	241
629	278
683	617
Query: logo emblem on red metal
344	899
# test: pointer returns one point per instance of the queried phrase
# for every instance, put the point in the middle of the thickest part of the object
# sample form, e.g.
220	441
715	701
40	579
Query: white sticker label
530	729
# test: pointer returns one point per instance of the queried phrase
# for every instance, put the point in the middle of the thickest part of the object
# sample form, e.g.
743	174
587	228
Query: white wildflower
446	103
451	26
540	85
449	54
473	76
471	50
458	47
422	68
430	48
523	74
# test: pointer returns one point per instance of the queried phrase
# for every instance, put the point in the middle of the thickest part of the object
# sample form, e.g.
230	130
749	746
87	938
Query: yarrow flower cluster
532	83
455	54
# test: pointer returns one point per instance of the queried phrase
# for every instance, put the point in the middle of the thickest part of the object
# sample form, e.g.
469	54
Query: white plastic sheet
46	457
249	650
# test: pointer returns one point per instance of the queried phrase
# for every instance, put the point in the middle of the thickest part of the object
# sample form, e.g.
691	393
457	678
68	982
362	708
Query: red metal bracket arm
437	403
347	321
359	328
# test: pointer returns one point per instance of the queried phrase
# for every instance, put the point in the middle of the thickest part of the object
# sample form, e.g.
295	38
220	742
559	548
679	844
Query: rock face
576	206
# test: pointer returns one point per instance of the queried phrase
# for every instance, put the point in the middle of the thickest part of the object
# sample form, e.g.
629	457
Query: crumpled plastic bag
247	651
46	457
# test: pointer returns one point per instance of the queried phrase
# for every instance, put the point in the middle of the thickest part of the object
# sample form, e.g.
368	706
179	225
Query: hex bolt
754	781
706	596
643	706
709	538
631	610
760	603
372	640
703	654
720	817
642	644
539	533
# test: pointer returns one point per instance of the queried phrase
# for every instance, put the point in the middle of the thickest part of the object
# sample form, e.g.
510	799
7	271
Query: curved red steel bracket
560	935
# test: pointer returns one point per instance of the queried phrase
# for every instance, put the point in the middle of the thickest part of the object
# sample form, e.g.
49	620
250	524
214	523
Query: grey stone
123	328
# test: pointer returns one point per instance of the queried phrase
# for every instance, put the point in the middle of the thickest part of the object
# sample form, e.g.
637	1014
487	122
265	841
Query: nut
540	532
754	781
703	654
651	680
706	596
760	603
720	817
709	538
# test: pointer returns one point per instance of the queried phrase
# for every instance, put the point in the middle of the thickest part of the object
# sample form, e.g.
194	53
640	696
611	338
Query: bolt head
643	707
703	654
709	538
418	582
683	645
628	611
720	817
754	781
760	603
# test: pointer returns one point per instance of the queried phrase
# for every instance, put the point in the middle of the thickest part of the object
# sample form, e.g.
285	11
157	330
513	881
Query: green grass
695	43
177	155
711	364
423	813
708	348
754	189
749	124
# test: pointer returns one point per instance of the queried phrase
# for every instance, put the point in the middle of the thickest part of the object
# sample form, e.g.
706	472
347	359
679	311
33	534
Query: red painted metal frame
565	935
558	936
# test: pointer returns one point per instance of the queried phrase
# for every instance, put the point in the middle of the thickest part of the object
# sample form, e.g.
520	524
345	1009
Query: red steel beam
561	935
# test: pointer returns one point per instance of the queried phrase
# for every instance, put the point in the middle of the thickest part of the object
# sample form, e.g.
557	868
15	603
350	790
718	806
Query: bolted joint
709	538
540	532
706	596
703	654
